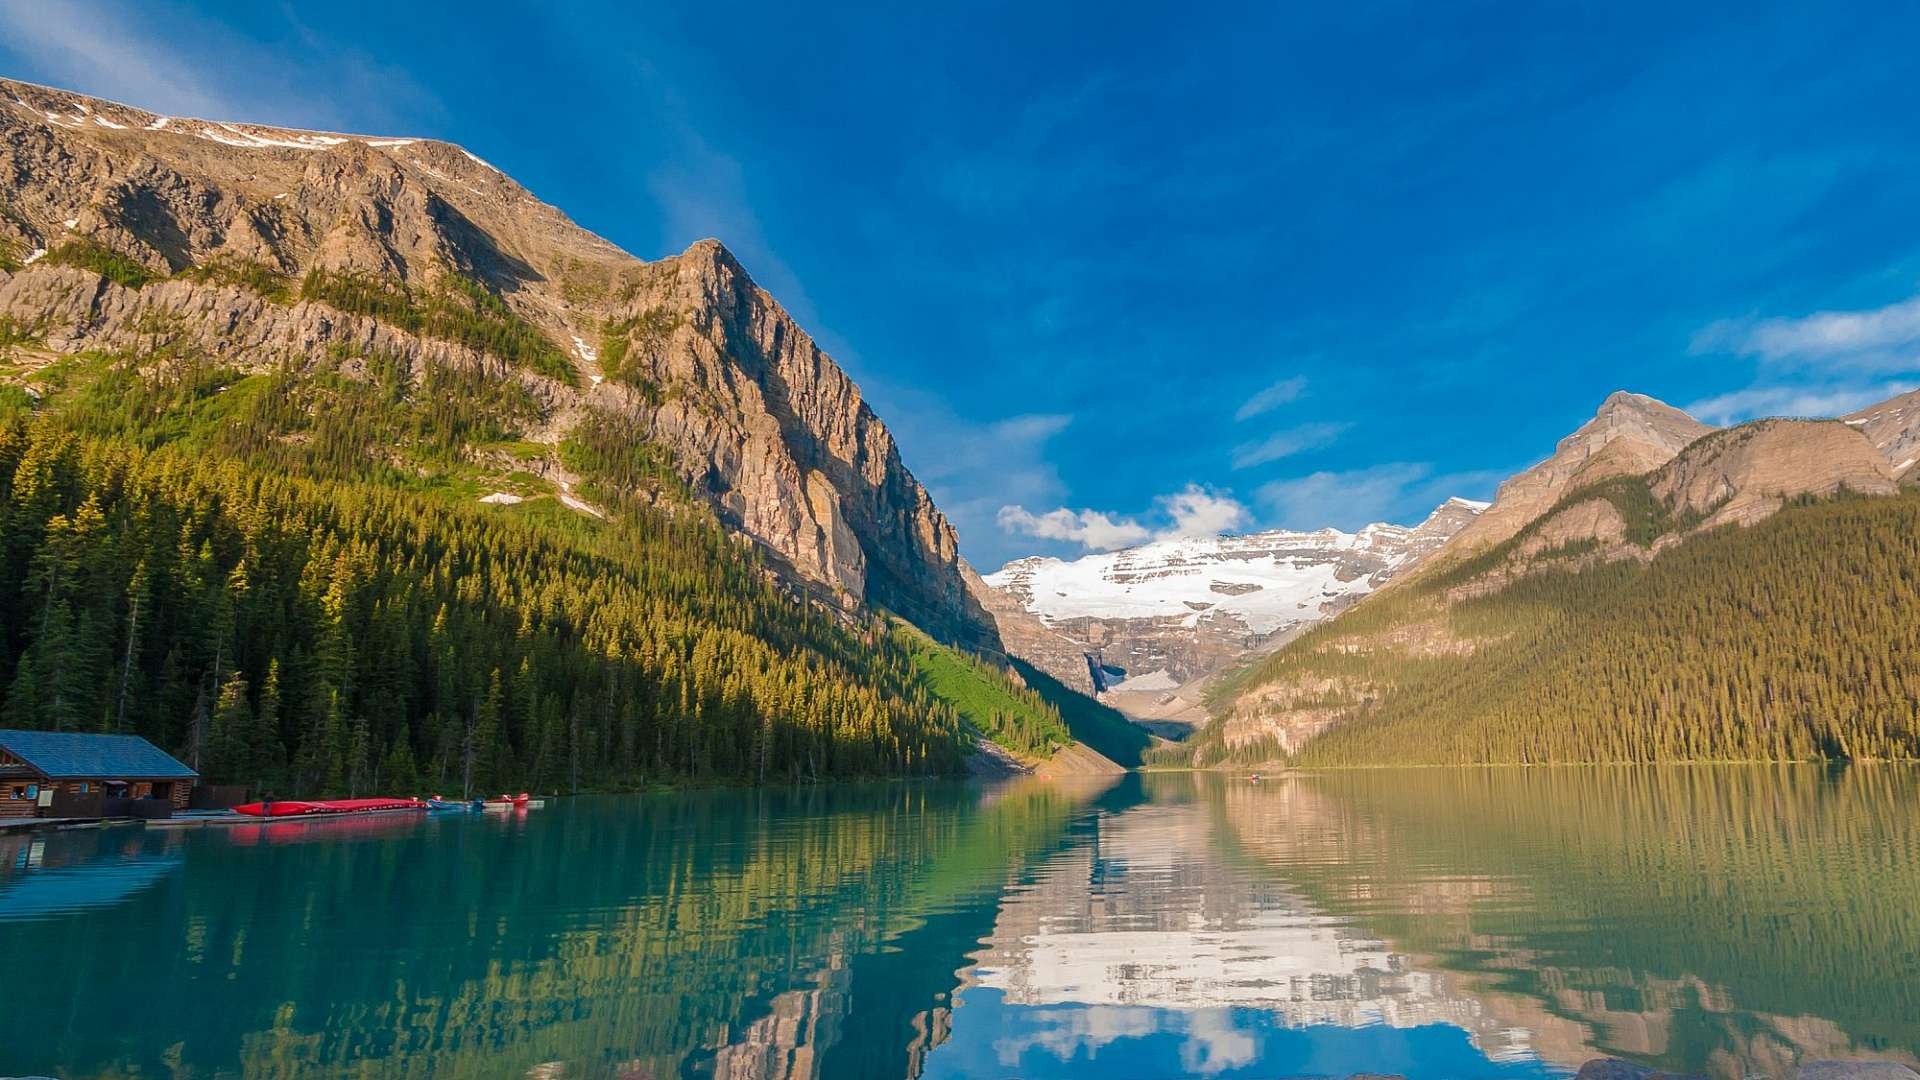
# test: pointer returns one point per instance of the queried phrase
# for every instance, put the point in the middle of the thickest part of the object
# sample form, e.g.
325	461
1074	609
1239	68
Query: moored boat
280	808
507	802
435	802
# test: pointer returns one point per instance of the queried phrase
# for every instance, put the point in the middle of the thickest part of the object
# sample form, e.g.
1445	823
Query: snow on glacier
1269	580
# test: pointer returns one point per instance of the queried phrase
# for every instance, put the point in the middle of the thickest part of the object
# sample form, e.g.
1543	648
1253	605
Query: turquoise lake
1433	923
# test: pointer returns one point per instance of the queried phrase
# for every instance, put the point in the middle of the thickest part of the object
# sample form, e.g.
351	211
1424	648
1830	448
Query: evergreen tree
229	754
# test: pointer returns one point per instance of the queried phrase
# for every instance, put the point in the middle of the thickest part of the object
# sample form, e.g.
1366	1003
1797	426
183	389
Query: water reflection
96	868
1435	923
1735	920
1151	948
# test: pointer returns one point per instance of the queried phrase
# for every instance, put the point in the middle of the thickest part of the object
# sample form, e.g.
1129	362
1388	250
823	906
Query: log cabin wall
15	800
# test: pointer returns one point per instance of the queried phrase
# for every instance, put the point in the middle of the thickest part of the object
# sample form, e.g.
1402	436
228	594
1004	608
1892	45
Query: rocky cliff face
1629	435
1745	473
1893	427
220	229
1157	617
1027	636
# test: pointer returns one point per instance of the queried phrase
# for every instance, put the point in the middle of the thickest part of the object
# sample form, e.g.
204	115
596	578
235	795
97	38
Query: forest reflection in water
1437	923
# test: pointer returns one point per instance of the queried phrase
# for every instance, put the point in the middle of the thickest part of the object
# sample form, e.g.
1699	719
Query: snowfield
1266	580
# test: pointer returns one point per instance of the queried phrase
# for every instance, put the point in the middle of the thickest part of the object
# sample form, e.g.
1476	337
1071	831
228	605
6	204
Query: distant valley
1141	625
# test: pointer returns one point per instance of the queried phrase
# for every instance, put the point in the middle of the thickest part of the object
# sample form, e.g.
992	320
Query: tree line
1788	640
311	635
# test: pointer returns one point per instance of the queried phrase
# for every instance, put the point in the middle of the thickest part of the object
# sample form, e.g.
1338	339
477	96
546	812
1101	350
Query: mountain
1893	427
1630	434
341	463
261	246
1153	618
1740	596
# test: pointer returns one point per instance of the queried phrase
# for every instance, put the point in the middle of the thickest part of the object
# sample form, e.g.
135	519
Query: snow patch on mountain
1261	582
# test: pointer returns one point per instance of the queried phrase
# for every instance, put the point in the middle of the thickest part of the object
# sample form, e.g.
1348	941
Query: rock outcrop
1630	435
1024	635
1745	473
1893	427
758	421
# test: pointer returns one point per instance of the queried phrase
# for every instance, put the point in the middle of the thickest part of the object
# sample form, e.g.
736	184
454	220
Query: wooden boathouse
72	775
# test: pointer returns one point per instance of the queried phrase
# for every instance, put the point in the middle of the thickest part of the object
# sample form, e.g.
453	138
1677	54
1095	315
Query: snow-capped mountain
1164	613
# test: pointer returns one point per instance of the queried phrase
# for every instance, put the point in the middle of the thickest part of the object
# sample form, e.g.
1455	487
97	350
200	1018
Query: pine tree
229	754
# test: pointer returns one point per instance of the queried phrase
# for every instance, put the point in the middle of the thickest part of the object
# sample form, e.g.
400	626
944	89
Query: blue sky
1114	271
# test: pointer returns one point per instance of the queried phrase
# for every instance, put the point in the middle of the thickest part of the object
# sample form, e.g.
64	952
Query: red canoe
294	808
507	802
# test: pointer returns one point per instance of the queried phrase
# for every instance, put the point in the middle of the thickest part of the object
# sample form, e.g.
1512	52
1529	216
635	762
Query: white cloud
974	468
1286	443
1070	1033
1731	408
1191	511
1214	1044
1091	529
1823	335
1272	397
1398	491
1824	364
1198	512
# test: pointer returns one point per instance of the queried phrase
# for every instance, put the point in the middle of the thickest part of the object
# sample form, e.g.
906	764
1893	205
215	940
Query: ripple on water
1434	923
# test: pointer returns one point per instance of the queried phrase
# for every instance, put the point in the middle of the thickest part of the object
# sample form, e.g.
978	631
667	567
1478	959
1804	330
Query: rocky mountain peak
1627	415
686	354
1629	434
1450	517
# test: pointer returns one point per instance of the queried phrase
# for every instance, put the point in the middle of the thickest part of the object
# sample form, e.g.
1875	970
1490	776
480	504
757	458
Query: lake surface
1436	923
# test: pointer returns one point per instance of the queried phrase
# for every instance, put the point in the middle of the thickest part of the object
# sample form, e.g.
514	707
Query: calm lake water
1436	923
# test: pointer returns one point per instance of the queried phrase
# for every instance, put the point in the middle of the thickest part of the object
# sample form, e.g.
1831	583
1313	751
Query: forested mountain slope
1746	599
339	464
261	248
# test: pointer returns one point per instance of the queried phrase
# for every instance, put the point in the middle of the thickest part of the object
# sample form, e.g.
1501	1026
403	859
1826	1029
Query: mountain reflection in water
1154	947
1436	923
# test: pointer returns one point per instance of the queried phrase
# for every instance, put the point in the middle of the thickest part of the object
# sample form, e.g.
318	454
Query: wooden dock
41	824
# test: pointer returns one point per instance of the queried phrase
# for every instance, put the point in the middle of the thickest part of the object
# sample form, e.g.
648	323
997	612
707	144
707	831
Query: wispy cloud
1400	491
160	56
1192	511
973	468
99	53
1824	364
1872	339
1286	443
1272	397
1754	401
702	193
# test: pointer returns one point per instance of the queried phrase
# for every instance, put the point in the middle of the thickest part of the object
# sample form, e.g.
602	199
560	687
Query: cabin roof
59	755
